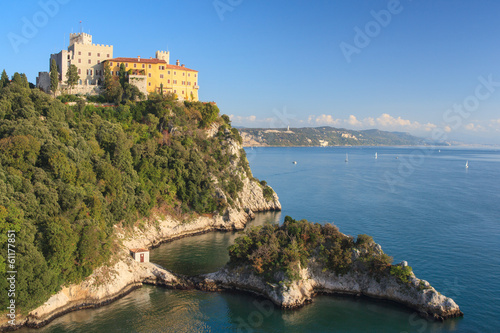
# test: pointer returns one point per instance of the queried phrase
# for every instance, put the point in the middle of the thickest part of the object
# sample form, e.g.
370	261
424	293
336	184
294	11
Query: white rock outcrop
417	294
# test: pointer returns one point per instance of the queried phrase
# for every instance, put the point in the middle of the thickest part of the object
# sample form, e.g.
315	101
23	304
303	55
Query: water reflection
204	253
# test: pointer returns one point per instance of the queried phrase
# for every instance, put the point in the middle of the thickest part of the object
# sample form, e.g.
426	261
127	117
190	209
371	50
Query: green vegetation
311	136
54	76
68	174
402	273
72	76
278	252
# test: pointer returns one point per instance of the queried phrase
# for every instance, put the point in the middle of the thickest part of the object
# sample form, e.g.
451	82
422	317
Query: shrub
401	273
268	193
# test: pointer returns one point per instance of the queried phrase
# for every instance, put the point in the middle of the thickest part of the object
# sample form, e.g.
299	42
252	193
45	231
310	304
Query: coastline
115	280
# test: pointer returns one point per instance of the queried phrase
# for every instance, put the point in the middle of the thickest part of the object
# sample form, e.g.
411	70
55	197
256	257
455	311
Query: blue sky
424	67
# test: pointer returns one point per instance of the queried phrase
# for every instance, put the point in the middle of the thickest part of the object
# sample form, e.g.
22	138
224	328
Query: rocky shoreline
113	281
417	294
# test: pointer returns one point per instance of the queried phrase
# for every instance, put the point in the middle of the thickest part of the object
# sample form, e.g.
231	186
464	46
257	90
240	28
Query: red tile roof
151	61
138	250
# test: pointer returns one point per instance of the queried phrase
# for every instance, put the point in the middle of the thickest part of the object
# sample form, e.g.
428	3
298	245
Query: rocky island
289	264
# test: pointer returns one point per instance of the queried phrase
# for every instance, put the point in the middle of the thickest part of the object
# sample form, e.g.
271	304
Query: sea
421	204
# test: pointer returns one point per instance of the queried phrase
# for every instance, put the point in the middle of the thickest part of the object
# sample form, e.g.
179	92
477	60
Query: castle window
117	73
168	72
175	91
90	54
143	66
149	66
195	75
107	56
183	82
98	54
90	61
79	52
79	61
79	71
90	72
175	81
98	61
183	92
117	64
168	81
126	65
149	74
111	72
183	73
111	63
135	65
175	73
149	83
189	74
189	83
161	76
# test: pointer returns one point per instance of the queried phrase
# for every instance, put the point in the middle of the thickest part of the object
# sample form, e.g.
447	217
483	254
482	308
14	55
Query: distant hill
327	136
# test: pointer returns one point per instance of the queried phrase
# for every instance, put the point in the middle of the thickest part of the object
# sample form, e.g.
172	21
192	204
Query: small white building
140	255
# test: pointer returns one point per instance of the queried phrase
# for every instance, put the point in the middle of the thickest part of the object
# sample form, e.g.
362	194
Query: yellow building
159	74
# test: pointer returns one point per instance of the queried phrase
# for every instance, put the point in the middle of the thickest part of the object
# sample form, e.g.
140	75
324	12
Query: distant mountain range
328	136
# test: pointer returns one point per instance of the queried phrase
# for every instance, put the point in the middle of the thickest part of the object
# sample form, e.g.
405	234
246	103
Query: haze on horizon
421	67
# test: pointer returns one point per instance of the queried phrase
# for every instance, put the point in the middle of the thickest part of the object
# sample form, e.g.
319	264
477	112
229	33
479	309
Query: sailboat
376	156
467	164
346	158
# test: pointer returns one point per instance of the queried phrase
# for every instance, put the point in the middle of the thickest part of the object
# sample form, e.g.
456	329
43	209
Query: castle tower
163	55
80	38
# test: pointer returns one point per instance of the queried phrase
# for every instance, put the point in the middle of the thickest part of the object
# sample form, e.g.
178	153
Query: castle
149	75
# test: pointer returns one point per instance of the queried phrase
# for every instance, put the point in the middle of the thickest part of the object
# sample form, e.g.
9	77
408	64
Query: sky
427	67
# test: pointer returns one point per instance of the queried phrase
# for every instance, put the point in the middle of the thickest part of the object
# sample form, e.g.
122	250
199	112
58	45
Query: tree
4	80
54	76
24	81
16	78
112	90
72	76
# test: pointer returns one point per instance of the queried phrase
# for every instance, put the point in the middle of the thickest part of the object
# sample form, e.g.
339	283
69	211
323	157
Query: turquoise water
422	206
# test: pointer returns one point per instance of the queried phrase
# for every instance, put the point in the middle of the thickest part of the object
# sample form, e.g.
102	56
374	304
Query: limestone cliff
112	281
417	294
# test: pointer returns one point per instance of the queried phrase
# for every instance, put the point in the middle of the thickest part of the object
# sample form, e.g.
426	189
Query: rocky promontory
417	294
292	263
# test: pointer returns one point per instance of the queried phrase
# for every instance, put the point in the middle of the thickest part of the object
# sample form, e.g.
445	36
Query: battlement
163	55
80	37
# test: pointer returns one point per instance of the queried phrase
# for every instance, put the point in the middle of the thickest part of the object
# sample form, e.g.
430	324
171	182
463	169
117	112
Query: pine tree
16	78
4	80
72	76
25	82
54	76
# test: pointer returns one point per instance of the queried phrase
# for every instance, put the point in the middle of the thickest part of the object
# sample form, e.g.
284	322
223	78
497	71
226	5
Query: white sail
467	164
376	156
346	158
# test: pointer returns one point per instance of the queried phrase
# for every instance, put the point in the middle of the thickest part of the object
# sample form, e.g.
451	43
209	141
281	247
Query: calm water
423	207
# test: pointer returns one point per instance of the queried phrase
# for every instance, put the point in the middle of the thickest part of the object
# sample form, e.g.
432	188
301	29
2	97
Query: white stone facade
87	58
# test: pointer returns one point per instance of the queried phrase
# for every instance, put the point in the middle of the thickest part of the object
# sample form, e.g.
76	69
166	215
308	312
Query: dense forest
277	253
68	174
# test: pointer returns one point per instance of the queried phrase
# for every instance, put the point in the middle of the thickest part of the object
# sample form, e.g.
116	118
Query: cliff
122	274
291	263
418	294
